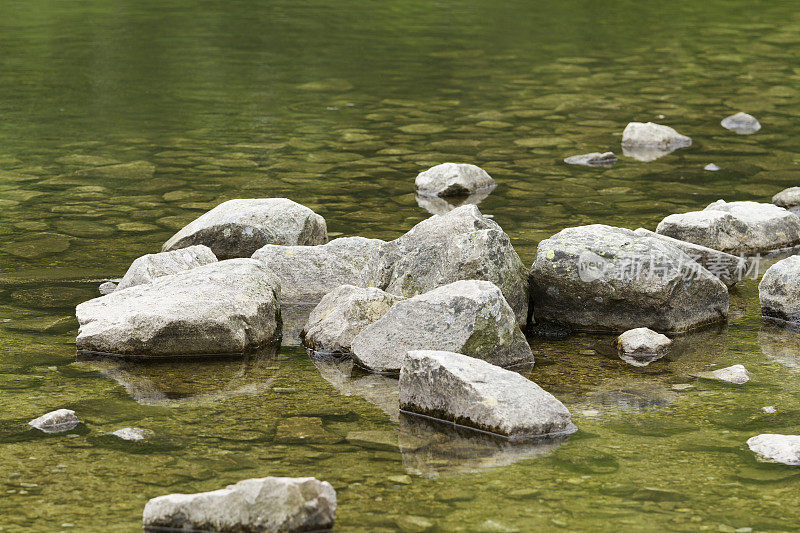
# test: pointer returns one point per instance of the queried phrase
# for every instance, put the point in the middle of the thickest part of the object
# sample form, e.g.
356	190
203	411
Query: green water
338	105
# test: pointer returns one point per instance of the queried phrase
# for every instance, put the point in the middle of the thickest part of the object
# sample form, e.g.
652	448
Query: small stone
594	159
453	179
56	421
788	199
737	374
107	287
769	409
741	123
642	346
422	129
711	167
646	141
133	434
778	448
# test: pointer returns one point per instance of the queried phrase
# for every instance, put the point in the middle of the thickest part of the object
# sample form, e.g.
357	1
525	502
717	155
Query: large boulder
151	266
602	278
779	291
469	317
307	273
227	307
459	245
452	179
237	228
270	504
788	199
469	392
342	314
735	227
646	141
741	123
776	448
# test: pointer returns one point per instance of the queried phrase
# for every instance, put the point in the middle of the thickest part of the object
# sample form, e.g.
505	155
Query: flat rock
133	434
342	314
132	170
151	266
453	179
646	141
741	123
777	448
307	273
56	421
602	278
642	346
711	167
237	228
595	159
462	390
227	307
779	291
736	374
735	227
788	199
471	317
270	504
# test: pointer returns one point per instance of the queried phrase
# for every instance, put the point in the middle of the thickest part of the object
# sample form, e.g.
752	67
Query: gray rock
342	314
452	179
461	244
595	159
270	504
228	307
56	421
133	434
470	317
469	392
711	167
741	123
729	268
737	374
237	228
642	346
788	199
107	287
779	291
307	273
646	141
776	448
151	266
602	278
735	227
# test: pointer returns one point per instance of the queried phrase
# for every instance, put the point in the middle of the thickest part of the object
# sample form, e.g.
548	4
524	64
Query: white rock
642	346
788	199
741	123
594	159
711	167
737	374
646	141
778	448
107	287
134	434
151	266
56	421
453	179
769	409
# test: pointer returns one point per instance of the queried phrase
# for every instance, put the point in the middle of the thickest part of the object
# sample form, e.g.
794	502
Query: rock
646	141
151	266
735	227
461	244
469	392
769	409
132	170
133	434
778	448
729	268
469	316
237	228
711	167
227	307
741	123
642	346
737	374
269	504
788	199
107	287
595	159
453	179
779	291
307	273
602	278
342	314
56	421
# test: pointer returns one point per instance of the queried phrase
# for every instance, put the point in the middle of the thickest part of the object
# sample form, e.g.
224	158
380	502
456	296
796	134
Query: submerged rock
470	317
151	266
642	346
737	374
646	141
469	392
779	291
56	421
342	314
133	434
452	179
602	278
788	199
735	227
778	448
270	504
237	228
307	273
132	170
595	159
741	123
227	307
462	244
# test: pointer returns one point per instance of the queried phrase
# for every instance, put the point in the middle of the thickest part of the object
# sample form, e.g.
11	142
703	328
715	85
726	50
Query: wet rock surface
779	291
776	448
56	421
741	123
594	159
736	374
151	266
647	141
453	179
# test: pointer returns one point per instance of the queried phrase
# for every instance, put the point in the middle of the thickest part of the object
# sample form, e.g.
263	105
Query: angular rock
107	287
642	346
737	374
307	273
788	199
729	268
237	228
452	179
602	278
151	266
56	421
133	434
462	390
741	123
595	159
228	307
461	244
778	448
342	314
735	227
270	504
779	291
646	141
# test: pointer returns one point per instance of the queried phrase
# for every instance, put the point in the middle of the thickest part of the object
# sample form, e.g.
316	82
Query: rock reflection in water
439	206
350	381
646	154
294	318
780	343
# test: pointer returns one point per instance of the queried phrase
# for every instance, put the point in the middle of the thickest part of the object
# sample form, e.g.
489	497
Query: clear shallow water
338	106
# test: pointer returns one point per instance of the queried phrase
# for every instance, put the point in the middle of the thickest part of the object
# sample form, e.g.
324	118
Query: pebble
711	166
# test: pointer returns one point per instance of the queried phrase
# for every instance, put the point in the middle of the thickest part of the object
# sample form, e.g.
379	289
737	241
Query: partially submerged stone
270	504
641	346
776	448
237	228
736	374
307	273
462	390
602	278
741	123
469	317
56	421
453	179
594	159
342	314
711	167
779	291
788	199
133	434
646	141
227	307
151	266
